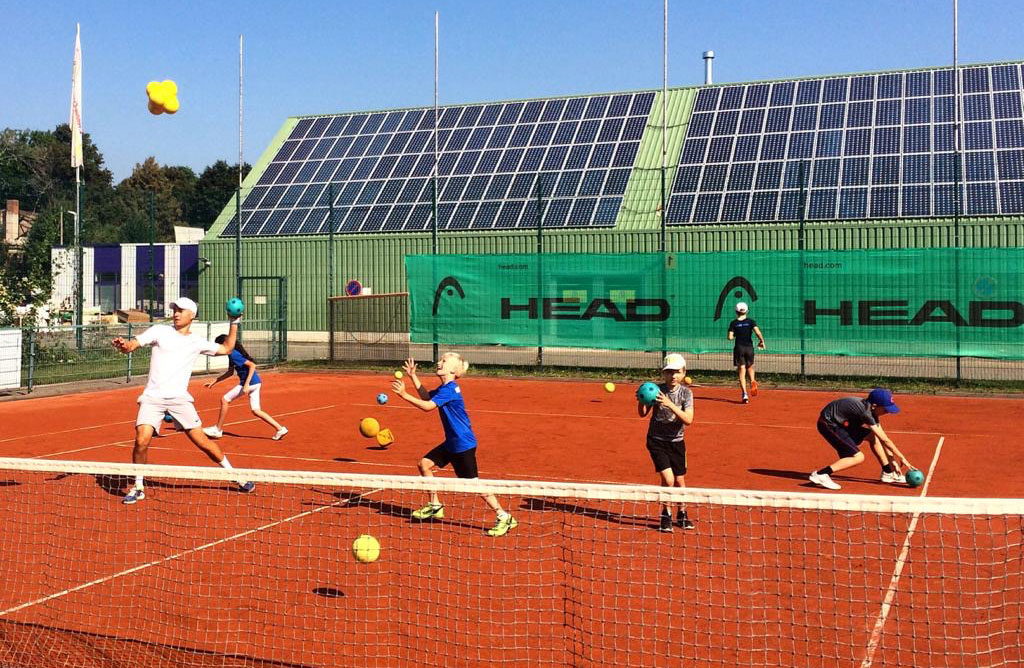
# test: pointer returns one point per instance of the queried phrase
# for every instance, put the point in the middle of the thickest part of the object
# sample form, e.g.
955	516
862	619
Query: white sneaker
280	433
213	432
894	478
823	480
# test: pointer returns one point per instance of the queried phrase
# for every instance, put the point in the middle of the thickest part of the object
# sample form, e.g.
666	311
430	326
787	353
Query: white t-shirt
170	367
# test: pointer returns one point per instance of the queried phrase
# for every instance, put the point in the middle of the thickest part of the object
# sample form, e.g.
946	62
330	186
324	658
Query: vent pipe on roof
708	57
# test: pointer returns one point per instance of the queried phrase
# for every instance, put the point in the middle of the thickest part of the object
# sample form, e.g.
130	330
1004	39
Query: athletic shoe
746	399
823	480
894	477
429	512
133	496
213	432
503	526
666	524
247	487
753	388
683	521
280	433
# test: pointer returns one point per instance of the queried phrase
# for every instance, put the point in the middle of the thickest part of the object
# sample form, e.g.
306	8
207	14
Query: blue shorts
845	440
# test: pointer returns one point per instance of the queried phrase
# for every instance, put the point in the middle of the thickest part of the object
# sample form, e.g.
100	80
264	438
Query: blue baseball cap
883	399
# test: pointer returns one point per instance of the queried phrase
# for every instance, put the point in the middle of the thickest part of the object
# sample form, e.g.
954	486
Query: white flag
76	103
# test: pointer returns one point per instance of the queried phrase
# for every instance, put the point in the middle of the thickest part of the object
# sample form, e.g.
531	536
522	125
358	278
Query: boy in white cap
741	330
670	415
175	350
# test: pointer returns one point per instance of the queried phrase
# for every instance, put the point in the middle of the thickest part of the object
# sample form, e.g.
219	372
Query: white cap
741	307
674	362
185	304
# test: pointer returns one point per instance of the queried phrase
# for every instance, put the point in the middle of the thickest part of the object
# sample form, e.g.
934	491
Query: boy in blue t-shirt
459	447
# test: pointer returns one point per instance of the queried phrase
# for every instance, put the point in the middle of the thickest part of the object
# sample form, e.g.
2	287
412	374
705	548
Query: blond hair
463	365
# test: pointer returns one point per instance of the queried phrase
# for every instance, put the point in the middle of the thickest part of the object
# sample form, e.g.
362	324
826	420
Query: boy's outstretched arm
410	369
423	404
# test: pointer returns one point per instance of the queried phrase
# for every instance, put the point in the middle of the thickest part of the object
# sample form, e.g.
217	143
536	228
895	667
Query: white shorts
254	395
151	412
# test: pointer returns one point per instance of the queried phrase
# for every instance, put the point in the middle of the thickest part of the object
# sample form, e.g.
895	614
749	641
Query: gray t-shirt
851	410
665	425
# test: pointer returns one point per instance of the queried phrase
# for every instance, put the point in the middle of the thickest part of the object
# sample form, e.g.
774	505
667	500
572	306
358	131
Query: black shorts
845	440
463	463
668	455
743	356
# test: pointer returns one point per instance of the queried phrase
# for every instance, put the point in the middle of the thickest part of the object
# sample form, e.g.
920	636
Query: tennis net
199	574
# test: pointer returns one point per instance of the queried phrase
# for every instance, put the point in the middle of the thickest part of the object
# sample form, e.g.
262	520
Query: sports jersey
850	411
238	361
743	330
665	425
458	432
170	366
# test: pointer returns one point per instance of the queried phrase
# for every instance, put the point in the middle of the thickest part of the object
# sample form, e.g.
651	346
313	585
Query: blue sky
321	56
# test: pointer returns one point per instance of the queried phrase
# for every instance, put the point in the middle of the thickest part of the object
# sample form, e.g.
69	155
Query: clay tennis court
199	574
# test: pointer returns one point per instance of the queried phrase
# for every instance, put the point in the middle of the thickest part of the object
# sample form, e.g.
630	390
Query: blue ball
382	398
234	307
647	393
168	418
914	478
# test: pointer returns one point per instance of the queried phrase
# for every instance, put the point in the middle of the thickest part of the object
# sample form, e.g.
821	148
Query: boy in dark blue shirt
741	330
459	447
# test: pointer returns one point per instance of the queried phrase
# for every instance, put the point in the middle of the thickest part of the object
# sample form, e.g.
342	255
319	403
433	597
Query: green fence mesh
919	302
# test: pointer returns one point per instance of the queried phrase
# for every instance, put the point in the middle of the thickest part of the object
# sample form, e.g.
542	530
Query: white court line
132	440
178	555
890	594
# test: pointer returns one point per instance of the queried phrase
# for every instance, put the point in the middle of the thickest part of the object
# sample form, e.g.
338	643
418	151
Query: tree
215	188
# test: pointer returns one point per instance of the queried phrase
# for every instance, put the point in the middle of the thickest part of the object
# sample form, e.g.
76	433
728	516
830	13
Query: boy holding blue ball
671	412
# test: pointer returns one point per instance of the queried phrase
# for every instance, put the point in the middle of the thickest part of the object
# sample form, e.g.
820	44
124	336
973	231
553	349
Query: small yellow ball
609	387
366	549
687	380
398	375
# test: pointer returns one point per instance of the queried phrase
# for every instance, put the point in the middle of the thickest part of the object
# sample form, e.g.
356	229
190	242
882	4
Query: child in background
741	330
671	413
249	383
459	447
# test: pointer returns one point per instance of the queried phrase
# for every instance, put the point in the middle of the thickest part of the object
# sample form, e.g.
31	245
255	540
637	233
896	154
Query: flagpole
75	122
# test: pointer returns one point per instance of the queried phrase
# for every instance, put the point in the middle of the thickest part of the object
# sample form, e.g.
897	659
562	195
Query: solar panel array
491	159
870	146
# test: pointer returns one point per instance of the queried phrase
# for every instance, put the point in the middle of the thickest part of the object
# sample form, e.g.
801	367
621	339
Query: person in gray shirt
846	423
670	414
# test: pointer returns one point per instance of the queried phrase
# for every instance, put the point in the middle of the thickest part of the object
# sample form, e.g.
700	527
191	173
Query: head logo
734	283
449	285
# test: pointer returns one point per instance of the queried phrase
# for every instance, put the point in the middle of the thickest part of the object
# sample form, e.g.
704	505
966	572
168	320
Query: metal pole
664	123
433	178
800	244
79	297
330	240
238	192
540	267
152	258
960	176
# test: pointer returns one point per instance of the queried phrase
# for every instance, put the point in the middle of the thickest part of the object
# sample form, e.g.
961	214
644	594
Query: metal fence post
31	357
128	376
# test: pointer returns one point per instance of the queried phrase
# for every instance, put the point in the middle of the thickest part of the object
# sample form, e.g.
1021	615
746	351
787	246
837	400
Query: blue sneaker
247	487
134	496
